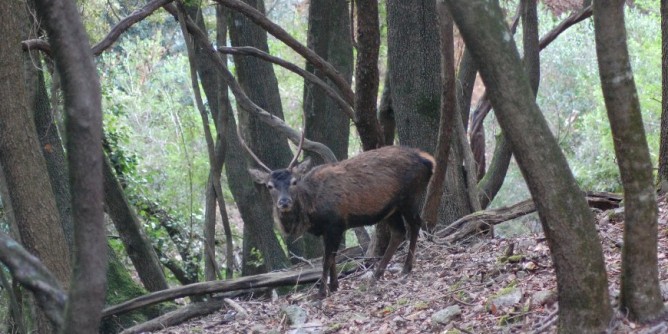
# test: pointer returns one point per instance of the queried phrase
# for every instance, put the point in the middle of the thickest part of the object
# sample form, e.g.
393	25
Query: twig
111	37
240	310
548	321
251	51
461	329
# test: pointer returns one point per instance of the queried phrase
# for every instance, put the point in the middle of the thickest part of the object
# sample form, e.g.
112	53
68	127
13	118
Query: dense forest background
180	210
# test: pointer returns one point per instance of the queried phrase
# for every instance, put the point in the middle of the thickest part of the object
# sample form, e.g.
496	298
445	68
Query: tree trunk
448	110
259	82
413	56
329	36
386	112
366	74
50	143
640	295
663	149
137	246
81	89
492	181
584	304
27	179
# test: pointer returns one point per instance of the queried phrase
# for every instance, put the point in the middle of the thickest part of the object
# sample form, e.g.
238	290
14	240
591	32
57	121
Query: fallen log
269	280
477	221
177	316
299	275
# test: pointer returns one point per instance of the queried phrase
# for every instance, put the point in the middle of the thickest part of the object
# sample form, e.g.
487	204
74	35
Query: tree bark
584	304
30	193
366	74
50	143
329	37
137	246
81	88
386	111
448	109
413	56
640	295
663	147
258	80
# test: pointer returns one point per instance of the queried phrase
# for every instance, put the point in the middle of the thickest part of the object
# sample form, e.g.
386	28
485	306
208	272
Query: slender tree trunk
492	181
329	36
366	73
50	143
386	111
137	246
217	100
640	295
260	84
584	305
81	88
663	149
448	110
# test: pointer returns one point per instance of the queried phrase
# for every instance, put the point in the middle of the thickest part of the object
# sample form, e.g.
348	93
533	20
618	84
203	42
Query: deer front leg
332	242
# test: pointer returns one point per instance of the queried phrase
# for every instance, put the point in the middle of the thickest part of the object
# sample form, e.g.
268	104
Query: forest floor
472	288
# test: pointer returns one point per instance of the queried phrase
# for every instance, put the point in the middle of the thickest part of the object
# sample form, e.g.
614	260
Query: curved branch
278	32
243	100
111	37
32	274
251	51
485	106
571	20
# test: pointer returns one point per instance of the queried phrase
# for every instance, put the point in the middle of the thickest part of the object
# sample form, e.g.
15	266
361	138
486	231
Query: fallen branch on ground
269	280
471	224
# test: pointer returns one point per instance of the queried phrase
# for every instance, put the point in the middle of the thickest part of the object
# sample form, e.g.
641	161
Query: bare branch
31	273
112	36
485	106
278	32
251	51
243	99
572	19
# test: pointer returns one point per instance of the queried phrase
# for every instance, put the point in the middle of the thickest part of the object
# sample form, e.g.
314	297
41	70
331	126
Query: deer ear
258	176
303	167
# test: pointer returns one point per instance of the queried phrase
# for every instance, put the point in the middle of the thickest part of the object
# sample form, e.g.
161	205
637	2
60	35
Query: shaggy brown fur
382	184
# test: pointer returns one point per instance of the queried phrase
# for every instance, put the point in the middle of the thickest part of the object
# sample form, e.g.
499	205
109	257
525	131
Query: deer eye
270	186
293	182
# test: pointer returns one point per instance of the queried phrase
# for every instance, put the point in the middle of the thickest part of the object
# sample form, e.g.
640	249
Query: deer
386	183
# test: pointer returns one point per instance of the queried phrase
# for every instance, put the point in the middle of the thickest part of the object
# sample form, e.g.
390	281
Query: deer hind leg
413	221
398	231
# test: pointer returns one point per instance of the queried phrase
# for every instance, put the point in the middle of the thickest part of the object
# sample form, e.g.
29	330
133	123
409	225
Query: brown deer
381	184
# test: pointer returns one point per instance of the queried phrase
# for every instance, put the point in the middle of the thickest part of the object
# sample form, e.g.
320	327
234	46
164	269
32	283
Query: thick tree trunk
30	193
81	89
413	55
640	295
259	82
584	304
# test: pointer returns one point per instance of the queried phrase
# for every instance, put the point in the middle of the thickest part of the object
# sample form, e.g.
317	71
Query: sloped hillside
487	286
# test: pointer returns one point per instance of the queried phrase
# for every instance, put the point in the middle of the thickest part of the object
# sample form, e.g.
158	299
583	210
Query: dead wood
177	316
269	280
477	221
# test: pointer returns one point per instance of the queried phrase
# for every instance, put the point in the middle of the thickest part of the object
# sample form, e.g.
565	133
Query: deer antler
301	144
243	144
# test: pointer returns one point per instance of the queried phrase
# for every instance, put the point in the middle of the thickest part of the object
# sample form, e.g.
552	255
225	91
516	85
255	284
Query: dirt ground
486	290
